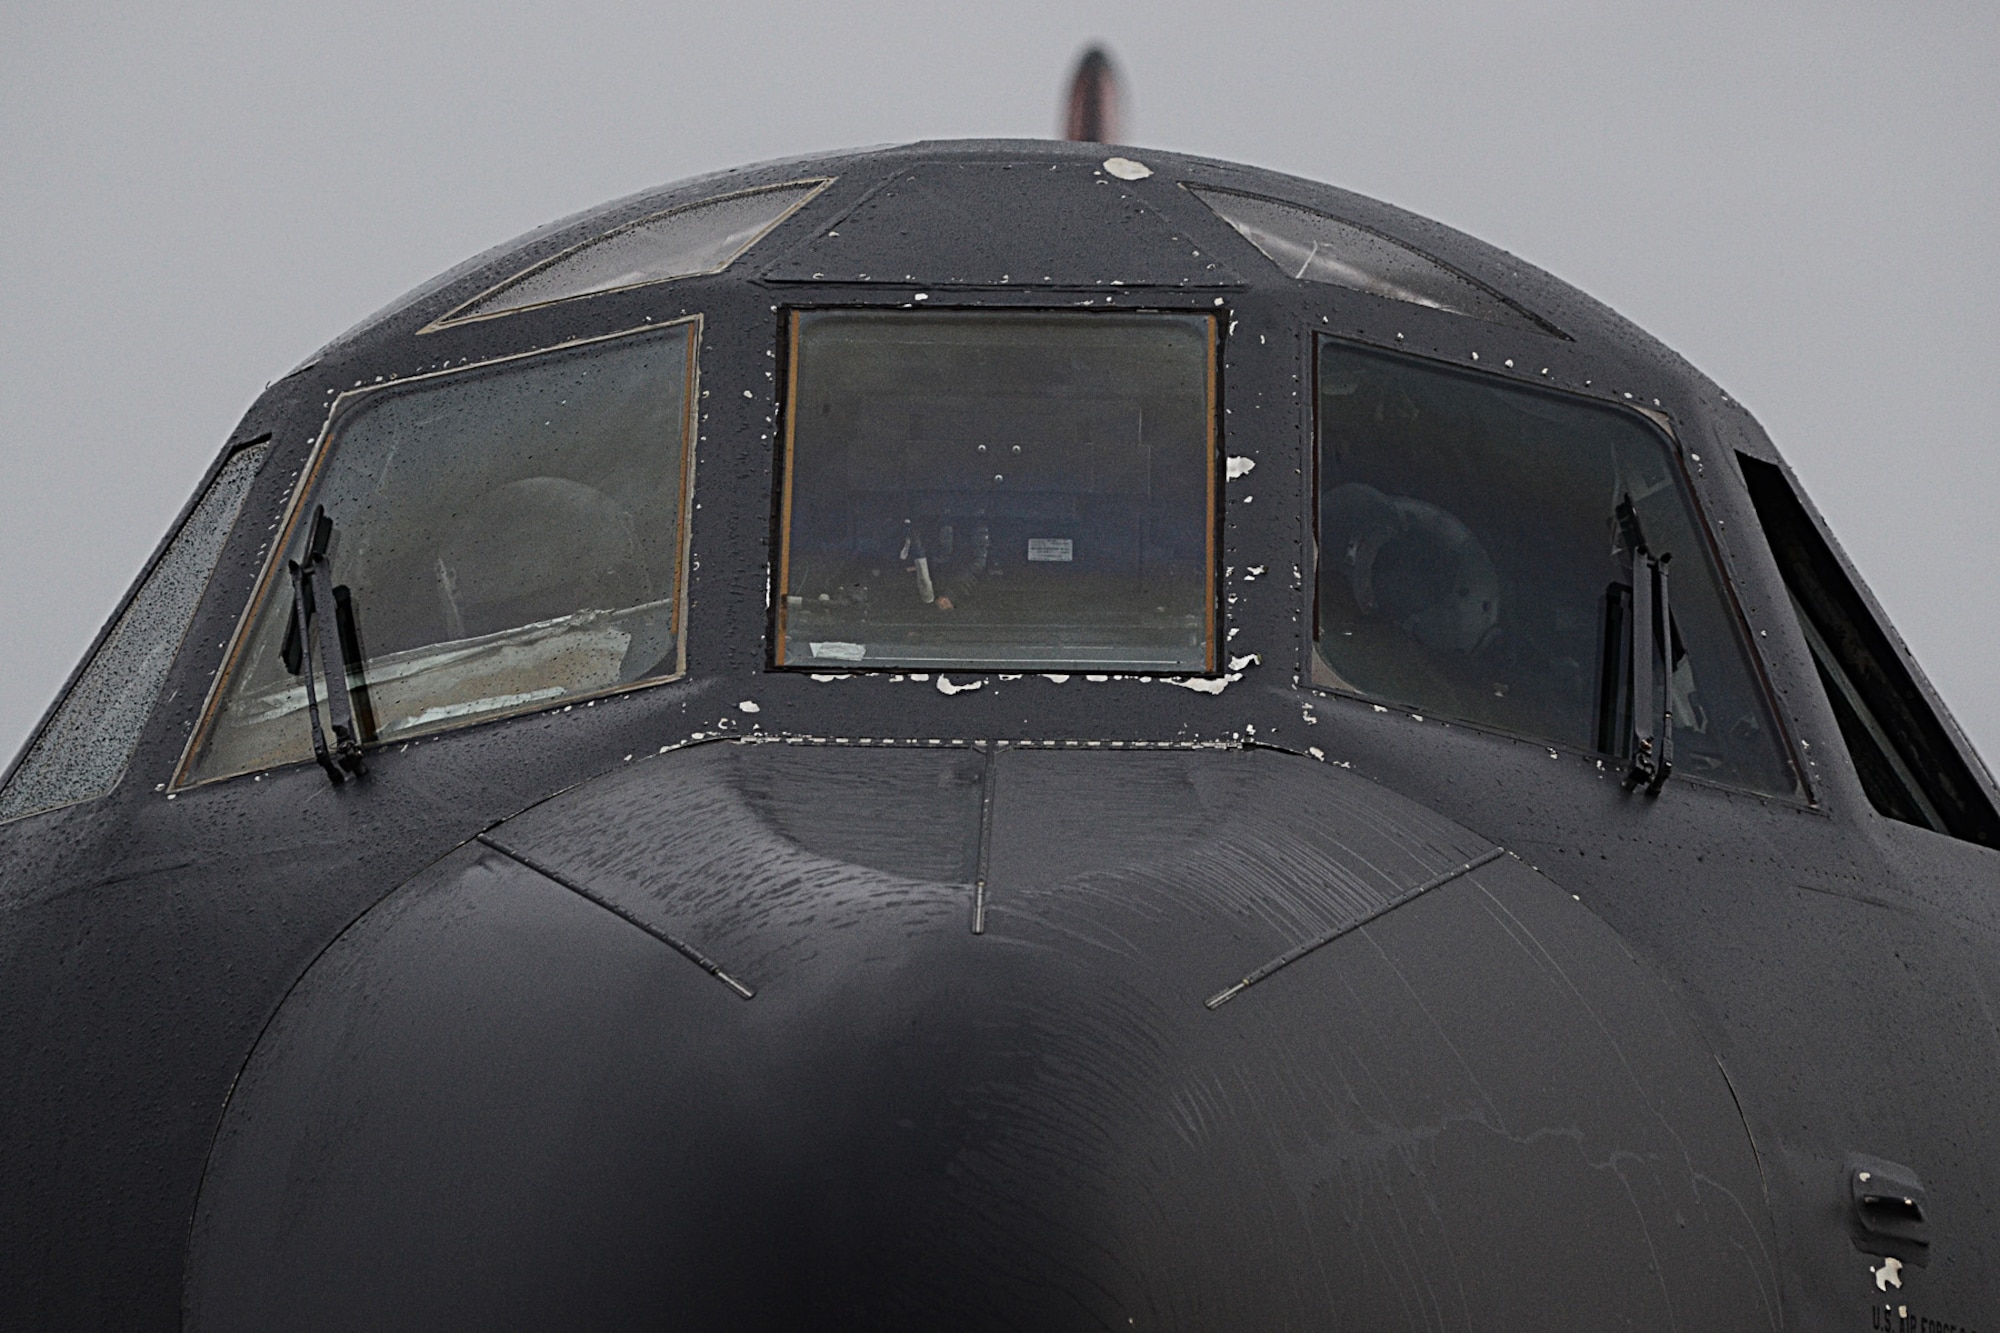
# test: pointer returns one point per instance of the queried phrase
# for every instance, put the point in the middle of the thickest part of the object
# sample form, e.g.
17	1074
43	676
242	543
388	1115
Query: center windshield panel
1477	542
999	490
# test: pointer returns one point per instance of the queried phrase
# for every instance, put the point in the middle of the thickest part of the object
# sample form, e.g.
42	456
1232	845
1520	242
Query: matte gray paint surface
1041	1126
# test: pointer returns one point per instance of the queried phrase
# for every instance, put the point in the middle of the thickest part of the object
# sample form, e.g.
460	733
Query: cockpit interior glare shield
1313	247
493	540
1490	553
705	237
1004	490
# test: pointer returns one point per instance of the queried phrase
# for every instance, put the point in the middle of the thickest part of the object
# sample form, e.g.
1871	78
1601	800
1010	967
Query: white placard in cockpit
1060	550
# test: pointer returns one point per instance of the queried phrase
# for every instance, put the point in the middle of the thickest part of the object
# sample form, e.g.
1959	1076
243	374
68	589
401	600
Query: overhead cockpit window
696	238
84	749
1004	490
1495	553
1316	248
470	544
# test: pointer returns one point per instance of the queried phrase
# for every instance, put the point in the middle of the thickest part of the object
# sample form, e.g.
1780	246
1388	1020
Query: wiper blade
310	642
1650	653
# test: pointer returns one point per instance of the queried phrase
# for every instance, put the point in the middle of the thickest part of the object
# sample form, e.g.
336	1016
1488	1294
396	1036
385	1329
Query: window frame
296	508
1662	426
780	568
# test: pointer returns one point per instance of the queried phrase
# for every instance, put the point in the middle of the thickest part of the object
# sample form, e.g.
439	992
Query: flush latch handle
1888	1211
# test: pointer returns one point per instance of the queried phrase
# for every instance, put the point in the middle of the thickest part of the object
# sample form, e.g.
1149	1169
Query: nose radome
714	1042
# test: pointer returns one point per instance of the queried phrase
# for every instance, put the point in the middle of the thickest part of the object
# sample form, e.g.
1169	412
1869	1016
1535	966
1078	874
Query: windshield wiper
1650	655
310	641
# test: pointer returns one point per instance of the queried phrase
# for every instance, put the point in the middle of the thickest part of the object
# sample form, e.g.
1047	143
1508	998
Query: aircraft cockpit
964	480
974	466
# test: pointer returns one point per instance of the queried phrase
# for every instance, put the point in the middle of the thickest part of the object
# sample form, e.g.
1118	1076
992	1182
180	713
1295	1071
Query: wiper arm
310	641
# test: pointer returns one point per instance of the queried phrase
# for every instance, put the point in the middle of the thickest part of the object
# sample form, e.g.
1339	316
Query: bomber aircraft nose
723	1041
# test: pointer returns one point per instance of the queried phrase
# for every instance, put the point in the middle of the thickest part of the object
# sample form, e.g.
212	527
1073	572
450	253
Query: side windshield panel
1476	555
502	537
1909	765
1001	490
83	751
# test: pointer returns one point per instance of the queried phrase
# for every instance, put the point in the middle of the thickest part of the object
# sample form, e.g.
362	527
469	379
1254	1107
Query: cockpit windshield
1476	558
497	538
999	489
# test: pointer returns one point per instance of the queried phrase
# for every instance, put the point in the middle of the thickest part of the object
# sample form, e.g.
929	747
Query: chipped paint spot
1237	466
1205	684
1058	679
749	706
1125	169
823	677
1316	753
945	686
1890	1274
1247	660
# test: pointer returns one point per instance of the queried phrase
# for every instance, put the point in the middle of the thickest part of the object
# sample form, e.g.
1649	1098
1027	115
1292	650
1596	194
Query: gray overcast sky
1802	199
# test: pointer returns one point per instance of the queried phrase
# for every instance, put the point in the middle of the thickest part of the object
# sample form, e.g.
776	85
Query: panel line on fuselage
679	946
1228	993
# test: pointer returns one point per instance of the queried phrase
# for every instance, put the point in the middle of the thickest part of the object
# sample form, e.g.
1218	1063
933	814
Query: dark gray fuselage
465	1041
